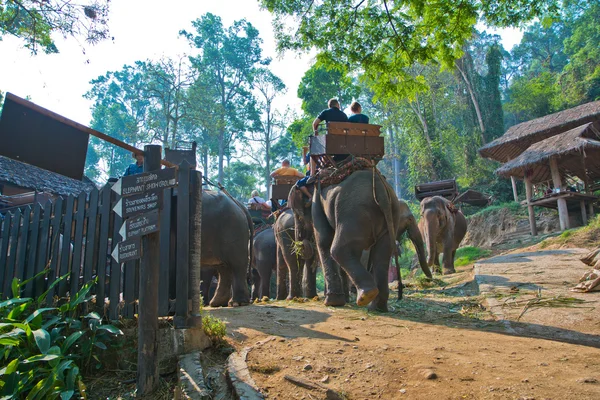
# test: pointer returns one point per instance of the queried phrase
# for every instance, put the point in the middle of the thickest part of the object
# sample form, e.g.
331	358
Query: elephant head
302	215
433	223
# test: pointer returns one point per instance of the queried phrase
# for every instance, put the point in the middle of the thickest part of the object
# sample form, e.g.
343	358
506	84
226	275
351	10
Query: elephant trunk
417	239
431	228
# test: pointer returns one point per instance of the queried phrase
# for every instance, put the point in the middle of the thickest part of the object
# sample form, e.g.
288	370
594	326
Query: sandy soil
440	343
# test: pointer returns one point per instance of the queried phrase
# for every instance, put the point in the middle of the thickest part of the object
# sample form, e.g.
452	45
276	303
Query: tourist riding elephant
264	263
361	212
443	226
290	259
226	231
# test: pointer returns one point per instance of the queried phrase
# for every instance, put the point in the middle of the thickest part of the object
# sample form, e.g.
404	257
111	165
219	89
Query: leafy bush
43	348
214	328
513	207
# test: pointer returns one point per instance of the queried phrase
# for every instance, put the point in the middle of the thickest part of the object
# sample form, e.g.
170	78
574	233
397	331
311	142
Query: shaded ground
447	332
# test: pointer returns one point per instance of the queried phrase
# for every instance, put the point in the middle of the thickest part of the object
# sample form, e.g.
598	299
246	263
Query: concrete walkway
530	292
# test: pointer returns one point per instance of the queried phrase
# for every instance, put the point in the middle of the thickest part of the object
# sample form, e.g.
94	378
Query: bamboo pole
563	211
530	210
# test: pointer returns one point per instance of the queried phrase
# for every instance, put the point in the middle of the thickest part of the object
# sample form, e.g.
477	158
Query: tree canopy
36	21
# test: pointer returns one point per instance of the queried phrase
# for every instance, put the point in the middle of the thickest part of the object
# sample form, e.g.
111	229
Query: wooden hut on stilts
549	151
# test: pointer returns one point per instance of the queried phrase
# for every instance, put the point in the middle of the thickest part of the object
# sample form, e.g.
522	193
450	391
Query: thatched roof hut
577	150
519	138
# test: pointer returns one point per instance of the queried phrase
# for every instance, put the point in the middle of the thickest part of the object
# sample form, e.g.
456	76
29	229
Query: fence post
183	246
147	366
195	246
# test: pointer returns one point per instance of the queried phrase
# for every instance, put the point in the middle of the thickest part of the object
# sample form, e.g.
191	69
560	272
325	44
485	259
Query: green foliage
469	254
43	348
322	82
512	207
240	180
385	37
533	97
36	22
214	328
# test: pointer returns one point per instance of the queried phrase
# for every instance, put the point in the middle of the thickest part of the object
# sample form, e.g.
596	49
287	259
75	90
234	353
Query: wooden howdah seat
281	186
347	138
447	189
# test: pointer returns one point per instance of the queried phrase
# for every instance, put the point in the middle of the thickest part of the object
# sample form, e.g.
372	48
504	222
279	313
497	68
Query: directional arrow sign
146	182
138	204
127	250
139	226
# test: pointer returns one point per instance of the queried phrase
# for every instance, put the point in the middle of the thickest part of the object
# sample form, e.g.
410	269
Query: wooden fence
76	236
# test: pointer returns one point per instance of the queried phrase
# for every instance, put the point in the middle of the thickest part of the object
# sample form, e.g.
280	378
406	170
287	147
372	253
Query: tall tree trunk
221	155
205	161
474	101
268	168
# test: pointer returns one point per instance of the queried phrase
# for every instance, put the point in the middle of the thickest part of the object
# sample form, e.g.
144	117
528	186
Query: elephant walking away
443	226
359	213
289	262
226	231
264	263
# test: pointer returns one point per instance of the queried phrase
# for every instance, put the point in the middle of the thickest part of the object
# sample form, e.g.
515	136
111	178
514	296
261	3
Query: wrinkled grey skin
300	282
362	212
226	232
264	263
443	231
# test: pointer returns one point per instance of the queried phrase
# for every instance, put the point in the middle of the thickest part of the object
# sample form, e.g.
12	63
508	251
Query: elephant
362	212
288	263
226	231
442	225
263	263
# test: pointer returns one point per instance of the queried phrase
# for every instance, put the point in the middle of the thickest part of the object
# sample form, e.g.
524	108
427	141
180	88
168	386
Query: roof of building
571	148
28	176
519	137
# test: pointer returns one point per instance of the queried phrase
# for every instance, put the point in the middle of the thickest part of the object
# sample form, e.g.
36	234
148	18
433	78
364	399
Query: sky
142	29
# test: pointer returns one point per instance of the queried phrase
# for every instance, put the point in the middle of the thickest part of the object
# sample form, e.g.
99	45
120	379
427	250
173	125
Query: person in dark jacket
357	115
137	167
332	114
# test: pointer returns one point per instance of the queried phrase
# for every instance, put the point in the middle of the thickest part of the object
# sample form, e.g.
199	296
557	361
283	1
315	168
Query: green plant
43	348
214	328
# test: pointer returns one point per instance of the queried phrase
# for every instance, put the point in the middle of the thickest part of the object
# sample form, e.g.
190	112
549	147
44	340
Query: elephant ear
295	200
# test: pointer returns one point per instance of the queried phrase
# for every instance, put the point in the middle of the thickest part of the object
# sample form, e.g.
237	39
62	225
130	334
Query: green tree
36	21
320	83
226	61
532	97
241	179
384	37
271	122
121	107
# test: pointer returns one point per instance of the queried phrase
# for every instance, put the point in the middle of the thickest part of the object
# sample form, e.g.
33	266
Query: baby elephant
443	227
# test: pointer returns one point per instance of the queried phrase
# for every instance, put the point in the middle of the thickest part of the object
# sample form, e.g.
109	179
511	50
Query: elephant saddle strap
335	175
452	208
280	211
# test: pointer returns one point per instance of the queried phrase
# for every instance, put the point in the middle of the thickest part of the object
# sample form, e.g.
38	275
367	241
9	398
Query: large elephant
264	262
289	261
226	231
361	212
443	227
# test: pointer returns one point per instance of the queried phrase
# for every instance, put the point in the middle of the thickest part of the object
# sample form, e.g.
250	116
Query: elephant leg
346	283
294	282
347	255
448	259
324	233
381	253
282	272
206	275
309	279
265	282
223	292
256	285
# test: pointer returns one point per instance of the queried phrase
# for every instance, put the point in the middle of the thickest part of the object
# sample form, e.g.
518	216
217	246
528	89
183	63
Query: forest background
436	108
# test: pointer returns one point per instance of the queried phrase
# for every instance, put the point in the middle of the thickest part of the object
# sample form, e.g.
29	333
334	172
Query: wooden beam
563	212
530	210
513	180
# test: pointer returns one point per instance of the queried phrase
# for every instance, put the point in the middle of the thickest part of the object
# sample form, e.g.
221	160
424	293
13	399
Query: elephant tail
385	205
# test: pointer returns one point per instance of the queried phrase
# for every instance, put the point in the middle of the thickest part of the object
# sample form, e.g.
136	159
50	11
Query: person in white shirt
259	200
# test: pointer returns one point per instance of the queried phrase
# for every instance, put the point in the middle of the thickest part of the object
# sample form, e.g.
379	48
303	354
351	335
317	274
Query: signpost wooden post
147	368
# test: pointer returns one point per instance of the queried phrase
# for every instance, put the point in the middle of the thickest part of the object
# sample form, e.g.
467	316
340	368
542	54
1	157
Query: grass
513	207
469	254
586	236
214	328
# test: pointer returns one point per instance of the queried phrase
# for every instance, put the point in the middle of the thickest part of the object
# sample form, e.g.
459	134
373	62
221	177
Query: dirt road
434	344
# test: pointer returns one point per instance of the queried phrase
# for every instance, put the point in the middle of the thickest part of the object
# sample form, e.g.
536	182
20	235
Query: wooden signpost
139	206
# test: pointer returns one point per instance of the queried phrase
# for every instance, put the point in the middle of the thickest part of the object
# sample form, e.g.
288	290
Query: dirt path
434	344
